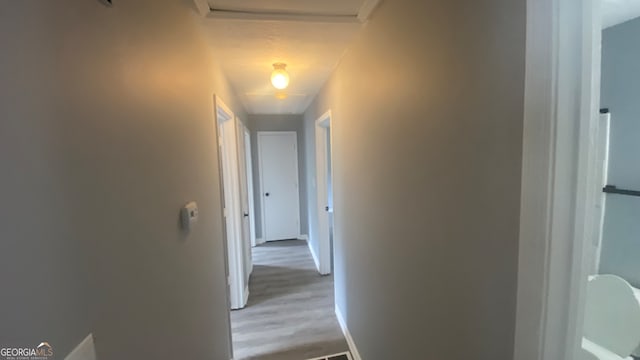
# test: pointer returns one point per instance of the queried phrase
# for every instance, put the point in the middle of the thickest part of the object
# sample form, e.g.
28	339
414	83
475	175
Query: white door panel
324	193
244	196
602	143
279	178
231	186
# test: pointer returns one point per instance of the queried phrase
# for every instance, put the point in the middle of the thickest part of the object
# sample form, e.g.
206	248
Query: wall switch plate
189	215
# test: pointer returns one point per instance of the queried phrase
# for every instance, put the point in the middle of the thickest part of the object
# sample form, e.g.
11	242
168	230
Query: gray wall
279	123
621	94
105	132
428	116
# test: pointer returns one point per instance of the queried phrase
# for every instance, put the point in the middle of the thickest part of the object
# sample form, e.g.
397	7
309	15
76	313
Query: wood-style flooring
290	314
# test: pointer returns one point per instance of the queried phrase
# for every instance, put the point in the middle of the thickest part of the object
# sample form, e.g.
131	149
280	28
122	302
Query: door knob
326	208
266	194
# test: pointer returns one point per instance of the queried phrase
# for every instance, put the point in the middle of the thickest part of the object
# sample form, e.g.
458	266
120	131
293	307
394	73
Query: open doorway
571	304
612	300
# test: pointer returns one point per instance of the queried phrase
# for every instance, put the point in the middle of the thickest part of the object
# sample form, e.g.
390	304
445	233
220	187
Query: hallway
290	314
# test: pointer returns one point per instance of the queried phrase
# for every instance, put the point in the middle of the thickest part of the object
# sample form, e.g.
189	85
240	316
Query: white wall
427	123
106	131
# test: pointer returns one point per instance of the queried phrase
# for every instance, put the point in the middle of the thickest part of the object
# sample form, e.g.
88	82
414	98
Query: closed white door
279	184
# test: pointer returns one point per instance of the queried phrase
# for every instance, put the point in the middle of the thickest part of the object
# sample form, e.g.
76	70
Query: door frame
322	153
225	123
559	184
259	136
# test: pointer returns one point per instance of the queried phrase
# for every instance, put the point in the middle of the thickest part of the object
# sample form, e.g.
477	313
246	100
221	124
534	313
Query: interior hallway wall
620	90
106	131
279	123
427	127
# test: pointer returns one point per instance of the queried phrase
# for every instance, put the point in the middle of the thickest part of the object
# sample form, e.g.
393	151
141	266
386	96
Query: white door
231	186
324	193
602	144
279	185
250	182
244	200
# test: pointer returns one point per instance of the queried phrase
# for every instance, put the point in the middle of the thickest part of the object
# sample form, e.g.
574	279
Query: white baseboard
347	335
314	256
259	241
304	237
84	351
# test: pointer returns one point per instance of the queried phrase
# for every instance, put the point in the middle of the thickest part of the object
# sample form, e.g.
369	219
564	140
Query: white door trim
225	124
558	182
324	243
260	134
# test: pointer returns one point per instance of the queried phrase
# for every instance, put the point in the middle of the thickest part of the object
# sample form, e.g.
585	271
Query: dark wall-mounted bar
612	189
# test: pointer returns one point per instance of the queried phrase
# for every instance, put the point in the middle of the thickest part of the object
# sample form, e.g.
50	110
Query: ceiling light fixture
279	76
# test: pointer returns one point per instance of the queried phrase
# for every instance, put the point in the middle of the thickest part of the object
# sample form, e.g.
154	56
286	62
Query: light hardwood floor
290	314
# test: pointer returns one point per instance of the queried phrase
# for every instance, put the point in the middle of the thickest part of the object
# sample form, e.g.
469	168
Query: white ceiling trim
365	12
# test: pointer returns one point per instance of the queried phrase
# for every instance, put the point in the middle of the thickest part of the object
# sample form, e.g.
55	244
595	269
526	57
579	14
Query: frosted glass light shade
279	76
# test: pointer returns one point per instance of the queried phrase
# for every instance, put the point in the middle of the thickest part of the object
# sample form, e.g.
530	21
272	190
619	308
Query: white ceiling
311	49
618	11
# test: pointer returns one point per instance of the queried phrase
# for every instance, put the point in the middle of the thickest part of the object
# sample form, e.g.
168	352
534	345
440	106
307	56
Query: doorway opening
611	322
582	309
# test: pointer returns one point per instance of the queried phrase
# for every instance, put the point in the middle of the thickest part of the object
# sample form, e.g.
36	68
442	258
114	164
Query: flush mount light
279	76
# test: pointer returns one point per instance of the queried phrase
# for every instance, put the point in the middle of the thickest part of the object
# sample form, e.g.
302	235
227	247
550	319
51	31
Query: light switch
189	215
